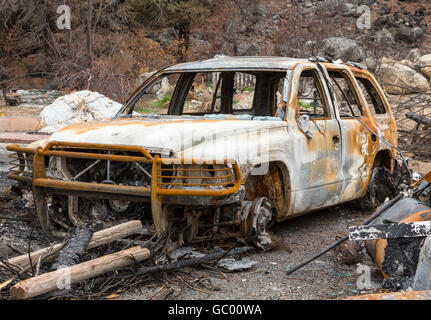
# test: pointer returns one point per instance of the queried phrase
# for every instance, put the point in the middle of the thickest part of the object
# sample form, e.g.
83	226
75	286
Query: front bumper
29	166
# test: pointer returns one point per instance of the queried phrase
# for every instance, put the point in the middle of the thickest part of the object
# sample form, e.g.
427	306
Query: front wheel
380	187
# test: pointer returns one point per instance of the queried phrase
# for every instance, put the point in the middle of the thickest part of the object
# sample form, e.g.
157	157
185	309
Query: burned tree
178	14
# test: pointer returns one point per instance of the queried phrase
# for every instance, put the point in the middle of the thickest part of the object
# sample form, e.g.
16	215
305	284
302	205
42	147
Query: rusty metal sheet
404	295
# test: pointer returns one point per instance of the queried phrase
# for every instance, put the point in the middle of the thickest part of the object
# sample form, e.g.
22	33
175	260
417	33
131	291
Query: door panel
317	146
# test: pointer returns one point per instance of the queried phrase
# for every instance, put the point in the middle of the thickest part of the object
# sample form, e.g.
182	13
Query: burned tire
380	187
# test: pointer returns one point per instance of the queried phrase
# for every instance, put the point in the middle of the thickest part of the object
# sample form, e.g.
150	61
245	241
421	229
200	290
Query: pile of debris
398	238
81	106
92	265
32	97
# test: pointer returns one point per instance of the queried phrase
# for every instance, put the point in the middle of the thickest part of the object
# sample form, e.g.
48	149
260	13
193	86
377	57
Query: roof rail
318	59
356	65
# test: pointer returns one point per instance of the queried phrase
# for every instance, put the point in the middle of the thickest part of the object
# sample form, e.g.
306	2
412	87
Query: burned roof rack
318	59
356	65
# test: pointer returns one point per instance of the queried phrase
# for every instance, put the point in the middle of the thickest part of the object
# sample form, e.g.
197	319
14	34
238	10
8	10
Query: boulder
408	34
166	37
141	78
384	38
38	97
81	106
245	49
161	88
371	64
407	63
344	49
414	55
399	79
424	65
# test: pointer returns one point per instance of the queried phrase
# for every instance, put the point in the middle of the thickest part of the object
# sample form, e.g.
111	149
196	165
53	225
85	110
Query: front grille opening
102	171
198	176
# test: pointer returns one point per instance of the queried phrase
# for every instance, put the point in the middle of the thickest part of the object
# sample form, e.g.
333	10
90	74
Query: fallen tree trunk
74	249
61	278
99	238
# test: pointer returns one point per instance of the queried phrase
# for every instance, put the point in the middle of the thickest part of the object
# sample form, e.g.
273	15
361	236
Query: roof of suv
257	63
221	63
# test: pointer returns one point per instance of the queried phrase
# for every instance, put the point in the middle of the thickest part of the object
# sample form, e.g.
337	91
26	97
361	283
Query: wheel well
275	185
383	159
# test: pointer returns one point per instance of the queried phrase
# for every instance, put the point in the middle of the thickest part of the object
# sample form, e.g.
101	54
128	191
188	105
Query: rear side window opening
347	100
372	96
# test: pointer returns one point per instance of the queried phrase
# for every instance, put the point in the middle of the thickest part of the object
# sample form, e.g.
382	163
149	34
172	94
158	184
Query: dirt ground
20	111
307	235
325	278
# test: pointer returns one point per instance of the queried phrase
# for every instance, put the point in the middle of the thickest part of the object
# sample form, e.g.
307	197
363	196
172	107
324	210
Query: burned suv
245	142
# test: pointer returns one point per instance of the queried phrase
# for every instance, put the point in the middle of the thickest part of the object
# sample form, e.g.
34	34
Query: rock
401	79
141	78
407	63
261	9
384	38
371	64
388	60
344	49
38	97
245	49
384	9
350	9
414	55
231	265
166	37
81	106
408	34
161	88
424	65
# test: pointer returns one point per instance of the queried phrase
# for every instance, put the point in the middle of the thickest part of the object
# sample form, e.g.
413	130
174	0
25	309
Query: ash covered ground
325	278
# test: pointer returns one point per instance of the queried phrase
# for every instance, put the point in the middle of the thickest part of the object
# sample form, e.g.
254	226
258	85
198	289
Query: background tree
177	14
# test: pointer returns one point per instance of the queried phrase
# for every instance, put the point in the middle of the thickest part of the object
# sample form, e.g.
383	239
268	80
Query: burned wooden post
99	238
48	282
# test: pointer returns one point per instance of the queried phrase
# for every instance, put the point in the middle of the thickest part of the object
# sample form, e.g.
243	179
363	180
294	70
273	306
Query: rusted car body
309	151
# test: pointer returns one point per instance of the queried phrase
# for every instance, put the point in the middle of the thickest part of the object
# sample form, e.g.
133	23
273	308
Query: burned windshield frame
129	105
262	100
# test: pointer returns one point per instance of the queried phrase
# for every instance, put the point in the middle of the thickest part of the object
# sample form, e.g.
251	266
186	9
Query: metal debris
422	280
390	231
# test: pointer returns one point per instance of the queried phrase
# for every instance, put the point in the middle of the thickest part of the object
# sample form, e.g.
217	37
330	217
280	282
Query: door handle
336	139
